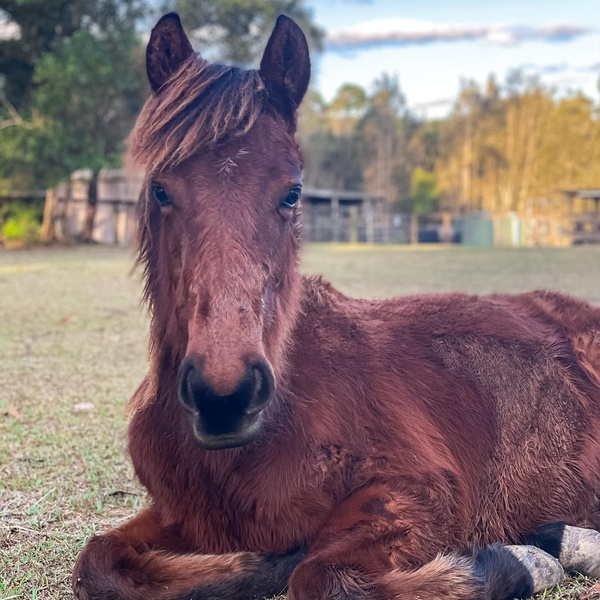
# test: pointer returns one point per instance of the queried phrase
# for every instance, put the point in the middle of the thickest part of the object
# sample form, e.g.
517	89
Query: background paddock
72	351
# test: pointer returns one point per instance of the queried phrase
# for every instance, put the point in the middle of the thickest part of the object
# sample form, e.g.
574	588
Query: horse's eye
160	195
290	200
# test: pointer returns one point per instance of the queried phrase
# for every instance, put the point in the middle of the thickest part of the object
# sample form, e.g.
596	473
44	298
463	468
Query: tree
237	30
84	90
424	193
72	77
511	143
385	143
350	100
42	25
81	99
333	161
89	93
312	115
332	158
425	144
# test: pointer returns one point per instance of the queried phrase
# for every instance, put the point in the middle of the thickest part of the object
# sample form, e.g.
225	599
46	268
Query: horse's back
541	375
510	384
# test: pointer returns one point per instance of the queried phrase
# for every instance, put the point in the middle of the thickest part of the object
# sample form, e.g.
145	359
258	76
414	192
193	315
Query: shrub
21	223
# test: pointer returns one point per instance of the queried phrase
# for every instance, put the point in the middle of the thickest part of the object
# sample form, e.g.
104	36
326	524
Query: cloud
405	32
561	68
9	30
439	102
564	75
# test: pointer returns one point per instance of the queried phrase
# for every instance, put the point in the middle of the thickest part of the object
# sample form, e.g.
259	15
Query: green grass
72	332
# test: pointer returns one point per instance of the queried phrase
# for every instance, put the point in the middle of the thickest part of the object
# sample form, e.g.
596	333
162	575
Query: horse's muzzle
219	421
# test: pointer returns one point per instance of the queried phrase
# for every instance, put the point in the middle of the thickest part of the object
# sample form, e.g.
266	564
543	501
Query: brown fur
402	433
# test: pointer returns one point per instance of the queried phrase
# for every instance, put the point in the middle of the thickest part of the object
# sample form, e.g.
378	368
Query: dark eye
160	195
290	200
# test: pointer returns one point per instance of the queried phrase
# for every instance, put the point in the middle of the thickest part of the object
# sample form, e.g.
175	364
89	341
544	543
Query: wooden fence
353	223
345	216
115	221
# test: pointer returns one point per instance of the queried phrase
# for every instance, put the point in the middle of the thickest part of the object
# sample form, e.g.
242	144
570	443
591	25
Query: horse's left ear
285	66
167	49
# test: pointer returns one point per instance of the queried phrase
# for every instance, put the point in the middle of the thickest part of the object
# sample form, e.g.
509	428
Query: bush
424	193
21	224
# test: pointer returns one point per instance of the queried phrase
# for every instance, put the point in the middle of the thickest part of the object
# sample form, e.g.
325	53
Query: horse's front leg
382	546
143	561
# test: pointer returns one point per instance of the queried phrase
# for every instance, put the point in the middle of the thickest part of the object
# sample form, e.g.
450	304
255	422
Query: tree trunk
531	146
90	215
48	233
64	214
467	164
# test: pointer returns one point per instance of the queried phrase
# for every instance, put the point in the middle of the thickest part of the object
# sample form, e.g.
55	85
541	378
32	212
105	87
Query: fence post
414	228
353	226
335	218
116	216
369	221
446	227
48	232
64	203
385	221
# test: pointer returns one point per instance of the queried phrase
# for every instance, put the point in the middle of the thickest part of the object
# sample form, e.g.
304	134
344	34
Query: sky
430	45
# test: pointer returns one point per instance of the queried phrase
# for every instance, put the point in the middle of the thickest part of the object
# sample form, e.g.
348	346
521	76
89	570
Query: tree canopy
70	86
237	30
72	82
72	76
42	26
501	145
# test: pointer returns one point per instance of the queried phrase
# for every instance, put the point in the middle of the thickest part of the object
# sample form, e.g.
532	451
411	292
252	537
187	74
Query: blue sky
431	44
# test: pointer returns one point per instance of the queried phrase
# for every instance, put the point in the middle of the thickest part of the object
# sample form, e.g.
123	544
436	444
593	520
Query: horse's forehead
268	152
265	139
272	158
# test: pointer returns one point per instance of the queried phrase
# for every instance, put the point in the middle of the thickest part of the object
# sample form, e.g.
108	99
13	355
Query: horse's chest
272	501
248	515
269	507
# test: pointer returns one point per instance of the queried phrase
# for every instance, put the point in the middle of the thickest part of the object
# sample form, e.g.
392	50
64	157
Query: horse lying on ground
290	436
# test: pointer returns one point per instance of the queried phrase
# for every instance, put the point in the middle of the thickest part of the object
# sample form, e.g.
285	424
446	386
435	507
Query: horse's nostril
264	385
259	380
185	389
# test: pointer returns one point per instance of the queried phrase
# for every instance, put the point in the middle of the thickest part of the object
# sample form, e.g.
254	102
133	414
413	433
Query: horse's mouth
245	434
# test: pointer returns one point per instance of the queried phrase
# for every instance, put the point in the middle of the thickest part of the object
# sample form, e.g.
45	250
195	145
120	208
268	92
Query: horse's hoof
545	570
580	551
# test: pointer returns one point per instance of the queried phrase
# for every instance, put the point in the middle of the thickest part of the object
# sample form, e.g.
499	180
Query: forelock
200	106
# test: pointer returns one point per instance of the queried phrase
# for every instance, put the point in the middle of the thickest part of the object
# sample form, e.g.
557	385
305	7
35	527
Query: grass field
73	349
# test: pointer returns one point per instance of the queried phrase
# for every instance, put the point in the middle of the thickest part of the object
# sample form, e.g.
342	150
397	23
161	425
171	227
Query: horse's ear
285	66
167	49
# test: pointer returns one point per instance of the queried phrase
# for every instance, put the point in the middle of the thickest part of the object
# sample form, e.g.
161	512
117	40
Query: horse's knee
317	580
102	568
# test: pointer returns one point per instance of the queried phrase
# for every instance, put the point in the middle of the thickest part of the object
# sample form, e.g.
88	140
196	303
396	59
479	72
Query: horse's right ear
285	66
167	49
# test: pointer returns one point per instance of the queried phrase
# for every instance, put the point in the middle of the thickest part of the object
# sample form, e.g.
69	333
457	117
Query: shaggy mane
199	106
